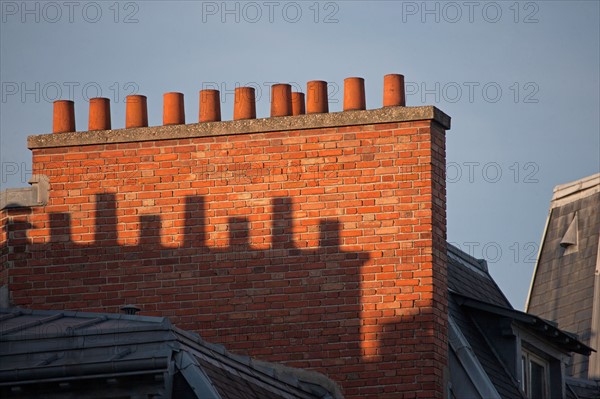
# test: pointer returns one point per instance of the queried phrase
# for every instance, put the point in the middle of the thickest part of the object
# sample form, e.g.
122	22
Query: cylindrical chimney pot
210	106
281	99
316	97
173	109
393	90
298	103
136	111
99	118
63	119
244	103
354	94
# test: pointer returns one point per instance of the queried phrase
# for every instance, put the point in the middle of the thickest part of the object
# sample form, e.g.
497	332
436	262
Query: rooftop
68	352
477	310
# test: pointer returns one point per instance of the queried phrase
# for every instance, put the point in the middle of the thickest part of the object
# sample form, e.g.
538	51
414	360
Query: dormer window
535	376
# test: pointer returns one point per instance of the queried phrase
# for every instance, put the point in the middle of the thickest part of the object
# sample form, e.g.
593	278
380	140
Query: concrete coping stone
393	114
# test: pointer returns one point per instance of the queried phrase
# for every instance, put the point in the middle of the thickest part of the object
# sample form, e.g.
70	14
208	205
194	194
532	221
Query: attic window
571	236
534	381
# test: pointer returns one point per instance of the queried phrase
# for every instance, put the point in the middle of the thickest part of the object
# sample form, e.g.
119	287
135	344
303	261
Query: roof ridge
297	378
87	315
480	264
578	188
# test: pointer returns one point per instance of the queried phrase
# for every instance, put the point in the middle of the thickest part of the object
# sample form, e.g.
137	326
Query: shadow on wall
283	295
4	295
305	307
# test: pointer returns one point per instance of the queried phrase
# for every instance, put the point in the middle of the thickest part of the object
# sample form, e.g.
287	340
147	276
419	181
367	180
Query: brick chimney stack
310	238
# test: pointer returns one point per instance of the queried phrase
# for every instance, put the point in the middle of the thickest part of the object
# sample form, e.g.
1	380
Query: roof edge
569	192
480	264
304	378
461	347
164	321
537	261
581	382
568	341
303	375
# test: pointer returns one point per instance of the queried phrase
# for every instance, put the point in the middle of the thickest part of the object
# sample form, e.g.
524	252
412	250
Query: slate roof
60	353
469	277
582	389
565	287
473	291
567	341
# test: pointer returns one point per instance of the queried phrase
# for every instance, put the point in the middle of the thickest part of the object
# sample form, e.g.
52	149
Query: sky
521	81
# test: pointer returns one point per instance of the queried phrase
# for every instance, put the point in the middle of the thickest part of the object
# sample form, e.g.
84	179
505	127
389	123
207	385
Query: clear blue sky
519	79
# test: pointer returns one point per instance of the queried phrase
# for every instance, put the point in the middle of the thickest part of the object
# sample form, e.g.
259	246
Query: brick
305	247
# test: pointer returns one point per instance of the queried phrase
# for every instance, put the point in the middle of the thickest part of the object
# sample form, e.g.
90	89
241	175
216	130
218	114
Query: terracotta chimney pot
173	109
210	106
136	111
99	118
393	90
63	119
316	97
298	107
354	94
244	103
281	100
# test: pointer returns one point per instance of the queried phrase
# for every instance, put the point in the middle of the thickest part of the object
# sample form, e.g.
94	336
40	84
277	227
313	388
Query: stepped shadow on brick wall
305	300
305	307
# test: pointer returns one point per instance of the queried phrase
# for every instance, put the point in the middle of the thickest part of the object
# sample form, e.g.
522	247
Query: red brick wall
319	248
13	247
3	248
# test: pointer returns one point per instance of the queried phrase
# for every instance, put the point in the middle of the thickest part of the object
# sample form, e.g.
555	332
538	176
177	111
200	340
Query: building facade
309	239
566	283
316	240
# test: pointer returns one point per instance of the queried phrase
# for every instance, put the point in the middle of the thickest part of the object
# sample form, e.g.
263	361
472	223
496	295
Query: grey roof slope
506	386
582	389
469	277
565	286
563	339
473	291
108	355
